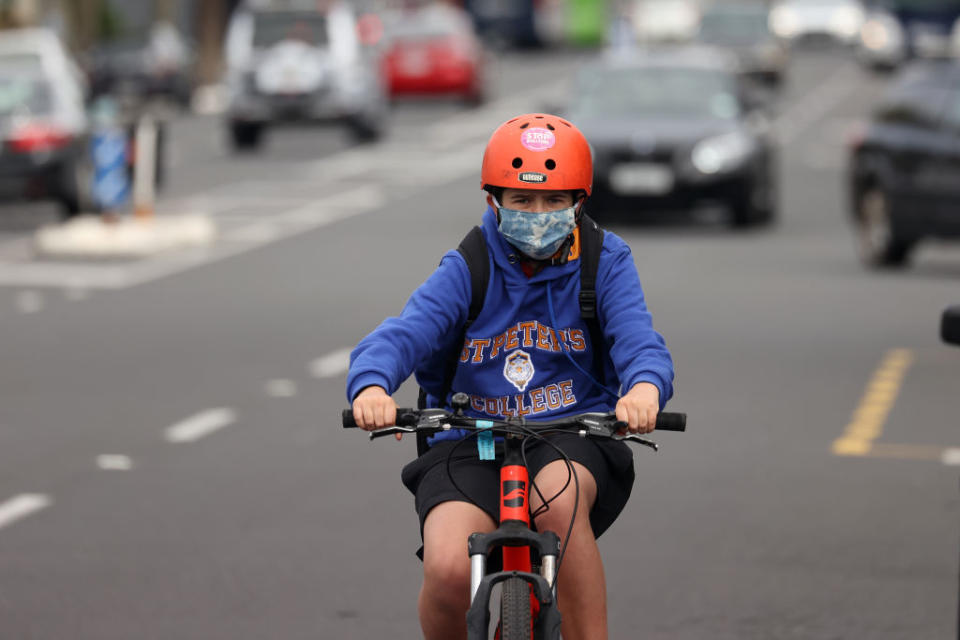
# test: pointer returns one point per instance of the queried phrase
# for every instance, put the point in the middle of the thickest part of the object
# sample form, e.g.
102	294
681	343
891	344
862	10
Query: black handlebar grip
405	418
667	421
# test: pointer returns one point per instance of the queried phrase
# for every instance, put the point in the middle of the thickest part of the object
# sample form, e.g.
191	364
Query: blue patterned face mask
537	235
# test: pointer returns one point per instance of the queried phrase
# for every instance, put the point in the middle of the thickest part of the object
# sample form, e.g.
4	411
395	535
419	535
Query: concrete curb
92	236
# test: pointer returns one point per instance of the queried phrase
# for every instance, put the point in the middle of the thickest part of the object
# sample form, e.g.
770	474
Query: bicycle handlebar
600	425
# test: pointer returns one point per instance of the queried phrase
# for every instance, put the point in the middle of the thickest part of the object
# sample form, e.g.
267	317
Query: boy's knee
447	577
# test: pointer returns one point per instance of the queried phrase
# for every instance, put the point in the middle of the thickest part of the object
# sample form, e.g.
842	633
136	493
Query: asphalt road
171	463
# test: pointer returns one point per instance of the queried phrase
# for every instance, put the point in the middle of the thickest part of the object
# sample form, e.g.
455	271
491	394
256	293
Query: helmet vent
551	127
539	117
550	164
566	123
517	163
525	125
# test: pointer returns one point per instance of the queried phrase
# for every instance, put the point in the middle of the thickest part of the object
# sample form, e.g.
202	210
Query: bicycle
528	600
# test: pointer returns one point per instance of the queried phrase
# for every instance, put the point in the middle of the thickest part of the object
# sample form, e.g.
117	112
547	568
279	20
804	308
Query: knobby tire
515	620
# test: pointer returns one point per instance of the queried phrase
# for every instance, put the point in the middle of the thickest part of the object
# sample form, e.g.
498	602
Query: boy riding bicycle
529	352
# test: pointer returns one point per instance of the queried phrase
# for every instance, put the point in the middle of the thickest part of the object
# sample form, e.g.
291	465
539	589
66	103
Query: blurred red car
434	50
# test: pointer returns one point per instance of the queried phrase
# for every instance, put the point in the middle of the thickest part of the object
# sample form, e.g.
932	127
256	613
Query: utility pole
17	13
211	18
163	10
82	22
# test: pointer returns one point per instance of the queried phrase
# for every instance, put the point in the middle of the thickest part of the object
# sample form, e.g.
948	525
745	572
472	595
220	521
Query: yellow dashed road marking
866	424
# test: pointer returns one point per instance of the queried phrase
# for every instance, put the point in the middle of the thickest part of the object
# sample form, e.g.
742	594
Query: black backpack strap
473	248
591	244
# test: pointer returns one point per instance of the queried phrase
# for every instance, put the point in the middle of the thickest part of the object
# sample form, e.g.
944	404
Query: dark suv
904	172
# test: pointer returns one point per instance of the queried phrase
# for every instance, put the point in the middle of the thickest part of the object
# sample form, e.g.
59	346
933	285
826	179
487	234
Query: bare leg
581	582
445	595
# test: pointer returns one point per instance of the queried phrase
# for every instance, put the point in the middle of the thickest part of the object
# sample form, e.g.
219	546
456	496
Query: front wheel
365	129
879	245
755	210
515	614
246	136
75	191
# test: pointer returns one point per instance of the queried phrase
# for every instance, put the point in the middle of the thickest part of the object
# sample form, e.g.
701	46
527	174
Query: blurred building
86	25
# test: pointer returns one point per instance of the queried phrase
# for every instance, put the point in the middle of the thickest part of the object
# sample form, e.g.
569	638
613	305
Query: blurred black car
505	23
136	70
744	29
950	325
899	30
673	129
44	131
904	165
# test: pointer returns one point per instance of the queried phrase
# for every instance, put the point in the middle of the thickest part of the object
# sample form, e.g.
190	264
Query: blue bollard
108	145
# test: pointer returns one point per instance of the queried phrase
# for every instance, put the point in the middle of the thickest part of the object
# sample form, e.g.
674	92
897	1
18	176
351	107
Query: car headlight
881	32
847	21
784	22
721	153
769	53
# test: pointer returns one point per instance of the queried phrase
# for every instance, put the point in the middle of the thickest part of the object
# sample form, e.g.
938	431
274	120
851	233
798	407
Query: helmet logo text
537	139
532	176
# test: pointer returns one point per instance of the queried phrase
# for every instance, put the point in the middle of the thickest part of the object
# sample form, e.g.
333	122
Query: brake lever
632	437
388	431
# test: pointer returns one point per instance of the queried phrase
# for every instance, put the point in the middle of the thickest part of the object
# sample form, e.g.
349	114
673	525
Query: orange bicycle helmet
537	151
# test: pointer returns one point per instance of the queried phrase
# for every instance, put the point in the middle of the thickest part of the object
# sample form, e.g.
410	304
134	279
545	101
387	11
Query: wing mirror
755	96
950	325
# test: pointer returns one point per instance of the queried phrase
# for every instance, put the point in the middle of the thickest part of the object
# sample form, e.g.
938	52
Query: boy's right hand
374	408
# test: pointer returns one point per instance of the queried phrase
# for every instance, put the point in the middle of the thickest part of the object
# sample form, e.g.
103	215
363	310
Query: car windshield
657	92
734	27
819	4
269	28
946	6
23	89
427	25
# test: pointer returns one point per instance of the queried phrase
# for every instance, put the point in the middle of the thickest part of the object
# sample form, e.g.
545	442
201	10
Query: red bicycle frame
515	539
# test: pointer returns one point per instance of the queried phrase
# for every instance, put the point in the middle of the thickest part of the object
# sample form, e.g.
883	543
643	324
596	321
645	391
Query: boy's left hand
639	407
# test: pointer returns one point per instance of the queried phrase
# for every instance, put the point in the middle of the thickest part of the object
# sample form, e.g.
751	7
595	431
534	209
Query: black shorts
610	463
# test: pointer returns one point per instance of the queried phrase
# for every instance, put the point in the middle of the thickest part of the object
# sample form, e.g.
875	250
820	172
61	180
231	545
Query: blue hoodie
514	358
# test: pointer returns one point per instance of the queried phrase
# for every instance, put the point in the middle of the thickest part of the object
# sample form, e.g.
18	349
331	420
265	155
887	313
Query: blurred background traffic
787	175
677	101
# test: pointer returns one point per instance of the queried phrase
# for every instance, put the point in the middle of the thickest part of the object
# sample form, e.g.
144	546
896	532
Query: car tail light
38	136
457	46
370	29
855	134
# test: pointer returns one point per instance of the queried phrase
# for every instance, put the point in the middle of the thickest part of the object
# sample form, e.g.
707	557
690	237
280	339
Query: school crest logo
518	369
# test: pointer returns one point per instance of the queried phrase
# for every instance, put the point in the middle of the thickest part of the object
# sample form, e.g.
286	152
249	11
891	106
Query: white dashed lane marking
29	302
21	506
281	388
114	462
200	425
332	364
951	457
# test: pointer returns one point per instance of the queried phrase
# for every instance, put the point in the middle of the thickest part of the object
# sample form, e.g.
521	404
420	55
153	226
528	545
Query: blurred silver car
303	65
659	21
44	131
743	28
799	20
